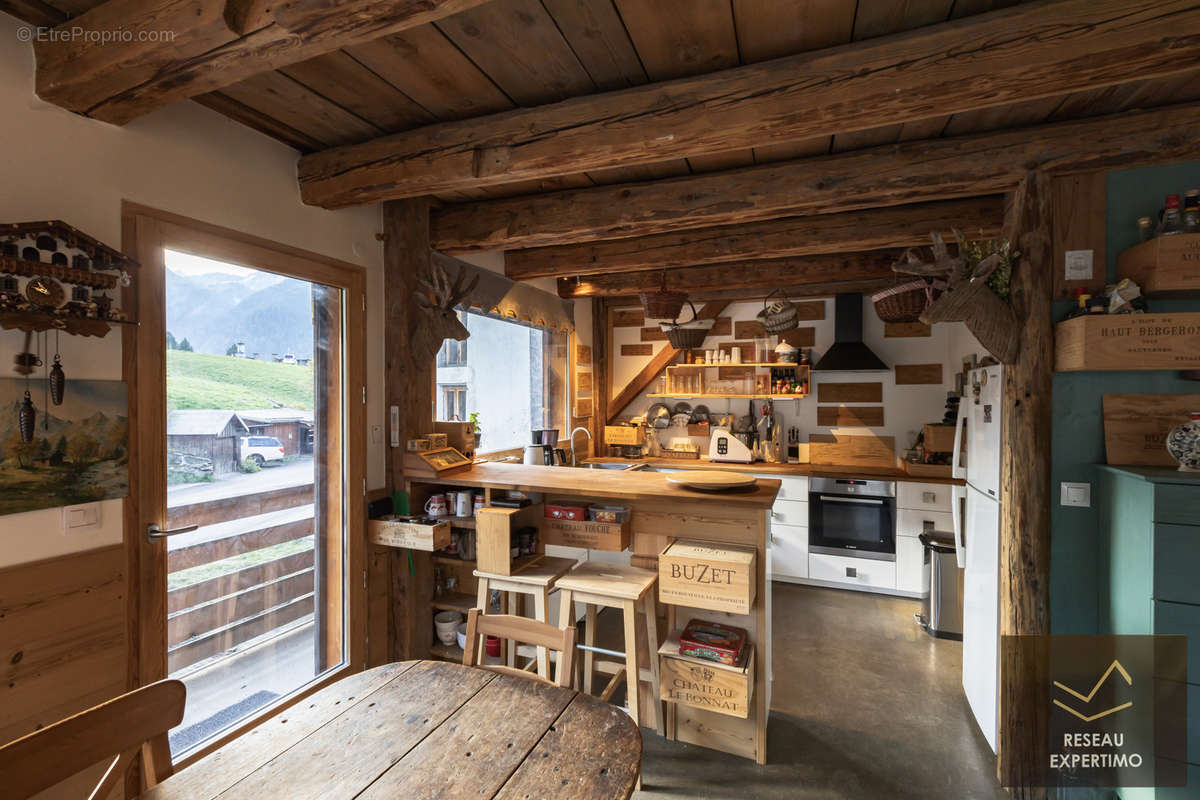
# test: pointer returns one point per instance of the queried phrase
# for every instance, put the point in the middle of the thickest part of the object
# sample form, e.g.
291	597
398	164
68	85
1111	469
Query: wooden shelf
454	601
446	652
460	522
685	396
451	560
771	364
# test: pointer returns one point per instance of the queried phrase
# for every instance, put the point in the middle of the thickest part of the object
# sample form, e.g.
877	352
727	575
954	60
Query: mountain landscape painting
79	452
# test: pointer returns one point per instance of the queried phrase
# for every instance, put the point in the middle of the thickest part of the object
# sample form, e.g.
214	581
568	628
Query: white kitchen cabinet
789	551
923	496
790	512
790	488
862	573
912	523
912	573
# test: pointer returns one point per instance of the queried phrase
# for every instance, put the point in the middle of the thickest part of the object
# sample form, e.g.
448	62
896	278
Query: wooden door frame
145	232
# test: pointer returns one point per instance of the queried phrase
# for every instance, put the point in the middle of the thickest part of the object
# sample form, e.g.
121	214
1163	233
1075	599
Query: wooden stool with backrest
536	580
120	730
626	588
525	631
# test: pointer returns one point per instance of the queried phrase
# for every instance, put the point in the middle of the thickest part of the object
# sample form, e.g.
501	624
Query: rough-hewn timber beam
1006	56
910	172
855	231
179	50
767	273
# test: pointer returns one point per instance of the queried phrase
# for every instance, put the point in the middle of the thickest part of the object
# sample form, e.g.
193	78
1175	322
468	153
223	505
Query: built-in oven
851	517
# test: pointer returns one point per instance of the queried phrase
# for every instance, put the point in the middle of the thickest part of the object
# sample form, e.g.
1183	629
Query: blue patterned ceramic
1183	443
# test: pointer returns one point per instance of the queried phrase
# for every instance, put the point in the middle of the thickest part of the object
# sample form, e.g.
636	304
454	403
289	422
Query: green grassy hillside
200	380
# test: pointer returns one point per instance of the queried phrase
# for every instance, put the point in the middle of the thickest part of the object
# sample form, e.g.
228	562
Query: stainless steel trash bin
943	612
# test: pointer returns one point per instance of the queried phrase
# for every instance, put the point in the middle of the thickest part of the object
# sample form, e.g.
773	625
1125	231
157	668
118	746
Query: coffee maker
542	450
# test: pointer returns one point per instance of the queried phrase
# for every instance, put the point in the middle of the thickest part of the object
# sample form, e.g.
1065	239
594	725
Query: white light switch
1078	495
81	519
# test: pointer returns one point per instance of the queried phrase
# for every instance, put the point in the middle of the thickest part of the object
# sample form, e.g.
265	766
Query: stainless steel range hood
848	353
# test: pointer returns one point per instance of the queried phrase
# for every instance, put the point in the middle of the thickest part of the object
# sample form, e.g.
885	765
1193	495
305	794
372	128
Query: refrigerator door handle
957	492
957	469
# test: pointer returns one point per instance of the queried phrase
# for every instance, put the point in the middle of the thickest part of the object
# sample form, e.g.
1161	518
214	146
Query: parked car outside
261	449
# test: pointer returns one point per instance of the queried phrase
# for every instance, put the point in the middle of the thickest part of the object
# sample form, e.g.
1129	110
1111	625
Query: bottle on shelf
1145	229
1191	211
1081	308
1171	222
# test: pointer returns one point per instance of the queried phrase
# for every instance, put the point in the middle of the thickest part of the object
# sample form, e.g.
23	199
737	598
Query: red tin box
713	641
566	512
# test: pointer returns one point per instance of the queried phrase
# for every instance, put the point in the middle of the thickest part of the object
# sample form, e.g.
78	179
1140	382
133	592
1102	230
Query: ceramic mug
446	623
477	503
435	506
464	506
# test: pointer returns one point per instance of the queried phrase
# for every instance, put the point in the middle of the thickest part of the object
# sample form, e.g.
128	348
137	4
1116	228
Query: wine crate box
1136	427
703	575
705	684
399	533
939	438
1128	342
624	434
493	536
612	536
1163	264
928	470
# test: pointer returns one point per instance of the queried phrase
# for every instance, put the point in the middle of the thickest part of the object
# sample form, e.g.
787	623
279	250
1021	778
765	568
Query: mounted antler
438	296
953	268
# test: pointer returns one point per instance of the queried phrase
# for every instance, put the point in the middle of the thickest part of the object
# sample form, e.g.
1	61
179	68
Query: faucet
571	436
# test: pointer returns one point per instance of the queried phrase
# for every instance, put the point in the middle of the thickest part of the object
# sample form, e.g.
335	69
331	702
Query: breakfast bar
732	524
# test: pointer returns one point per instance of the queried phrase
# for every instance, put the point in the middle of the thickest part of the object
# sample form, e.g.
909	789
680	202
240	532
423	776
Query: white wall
906	408
184	159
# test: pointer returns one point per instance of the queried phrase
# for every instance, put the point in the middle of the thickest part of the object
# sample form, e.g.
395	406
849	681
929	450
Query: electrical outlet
81	519
1078	495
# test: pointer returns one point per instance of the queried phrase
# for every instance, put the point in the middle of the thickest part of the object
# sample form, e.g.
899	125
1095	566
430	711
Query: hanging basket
687	335
662	304
779	316
905	302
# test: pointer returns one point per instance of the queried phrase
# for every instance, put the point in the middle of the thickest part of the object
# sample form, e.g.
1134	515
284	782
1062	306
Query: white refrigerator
977	447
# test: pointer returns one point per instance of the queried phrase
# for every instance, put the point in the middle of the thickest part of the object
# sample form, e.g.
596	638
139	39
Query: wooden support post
1025	489
601	345
409	385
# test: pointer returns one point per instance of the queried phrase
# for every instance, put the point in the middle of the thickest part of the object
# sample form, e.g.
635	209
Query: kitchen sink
630	467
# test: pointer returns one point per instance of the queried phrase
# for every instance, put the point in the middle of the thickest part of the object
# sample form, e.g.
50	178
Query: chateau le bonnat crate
719	577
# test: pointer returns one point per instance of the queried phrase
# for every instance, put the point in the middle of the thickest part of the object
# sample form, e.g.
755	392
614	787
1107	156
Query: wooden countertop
605	483
782	470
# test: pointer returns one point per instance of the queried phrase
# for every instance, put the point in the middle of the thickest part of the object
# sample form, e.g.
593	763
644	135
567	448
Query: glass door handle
154	532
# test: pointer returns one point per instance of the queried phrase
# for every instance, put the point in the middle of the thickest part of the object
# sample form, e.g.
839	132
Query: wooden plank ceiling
519	53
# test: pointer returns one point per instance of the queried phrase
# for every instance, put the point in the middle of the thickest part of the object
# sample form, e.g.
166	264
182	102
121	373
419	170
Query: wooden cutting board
1136	427
844	450
710	480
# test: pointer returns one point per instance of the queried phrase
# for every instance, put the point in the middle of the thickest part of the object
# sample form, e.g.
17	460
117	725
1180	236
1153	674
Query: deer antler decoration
438	297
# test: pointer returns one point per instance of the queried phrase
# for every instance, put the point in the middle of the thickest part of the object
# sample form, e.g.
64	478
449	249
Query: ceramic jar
1183	443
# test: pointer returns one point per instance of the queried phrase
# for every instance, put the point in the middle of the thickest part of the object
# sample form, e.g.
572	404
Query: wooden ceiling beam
739	276
909	172
175	51
1001	57
901	226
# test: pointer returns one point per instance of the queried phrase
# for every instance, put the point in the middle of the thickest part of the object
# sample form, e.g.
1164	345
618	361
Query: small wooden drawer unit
706	684
494	537
587	534
402	533
719	577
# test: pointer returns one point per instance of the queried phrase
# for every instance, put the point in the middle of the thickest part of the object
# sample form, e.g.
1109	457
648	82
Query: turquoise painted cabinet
1150	577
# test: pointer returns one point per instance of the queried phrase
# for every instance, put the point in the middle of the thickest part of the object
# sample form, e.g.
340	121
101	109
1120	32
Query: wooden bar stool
536	580
616	586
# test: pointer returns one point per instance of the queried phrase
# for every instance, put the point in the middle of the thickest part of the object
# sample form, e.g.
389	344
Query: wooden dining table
425	729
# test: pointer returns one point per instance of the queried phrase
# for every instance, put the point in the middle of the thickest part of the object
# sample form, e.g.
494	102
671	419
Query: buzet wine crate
1128	342
703	575
705	684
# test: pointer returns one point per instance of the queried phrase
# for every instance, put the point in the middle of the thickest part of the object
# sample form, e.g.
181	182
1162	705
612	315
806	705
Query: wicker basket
989	318
687	335
904	302
662	304
779	316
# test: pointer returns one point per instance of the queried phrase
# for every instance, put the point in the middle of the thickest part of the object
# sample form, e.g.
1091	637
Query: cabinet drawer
912	573
912	523
789	551
1180	619
792	489
1177	504
789	512
852	571
1176	554
923	496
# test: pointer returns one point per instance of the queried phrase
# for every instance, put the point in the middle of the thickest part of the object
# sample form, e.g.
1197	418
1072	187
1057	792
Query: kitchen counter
782	470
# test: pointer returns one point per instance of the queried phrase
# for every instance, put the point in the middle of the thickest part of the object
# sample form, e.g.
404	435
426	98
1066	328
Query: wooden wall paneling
800	337
654	334
722	327
600	41
628	318
63	637
1025	491
914	374
637	349
1079	205
908	172
906	330
849	392
748	329
746	346
850	416
495	34
858	450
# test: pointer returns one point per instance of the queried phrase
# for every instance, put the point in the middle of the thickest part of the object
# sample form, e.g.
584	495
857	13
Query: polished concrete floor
865	706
